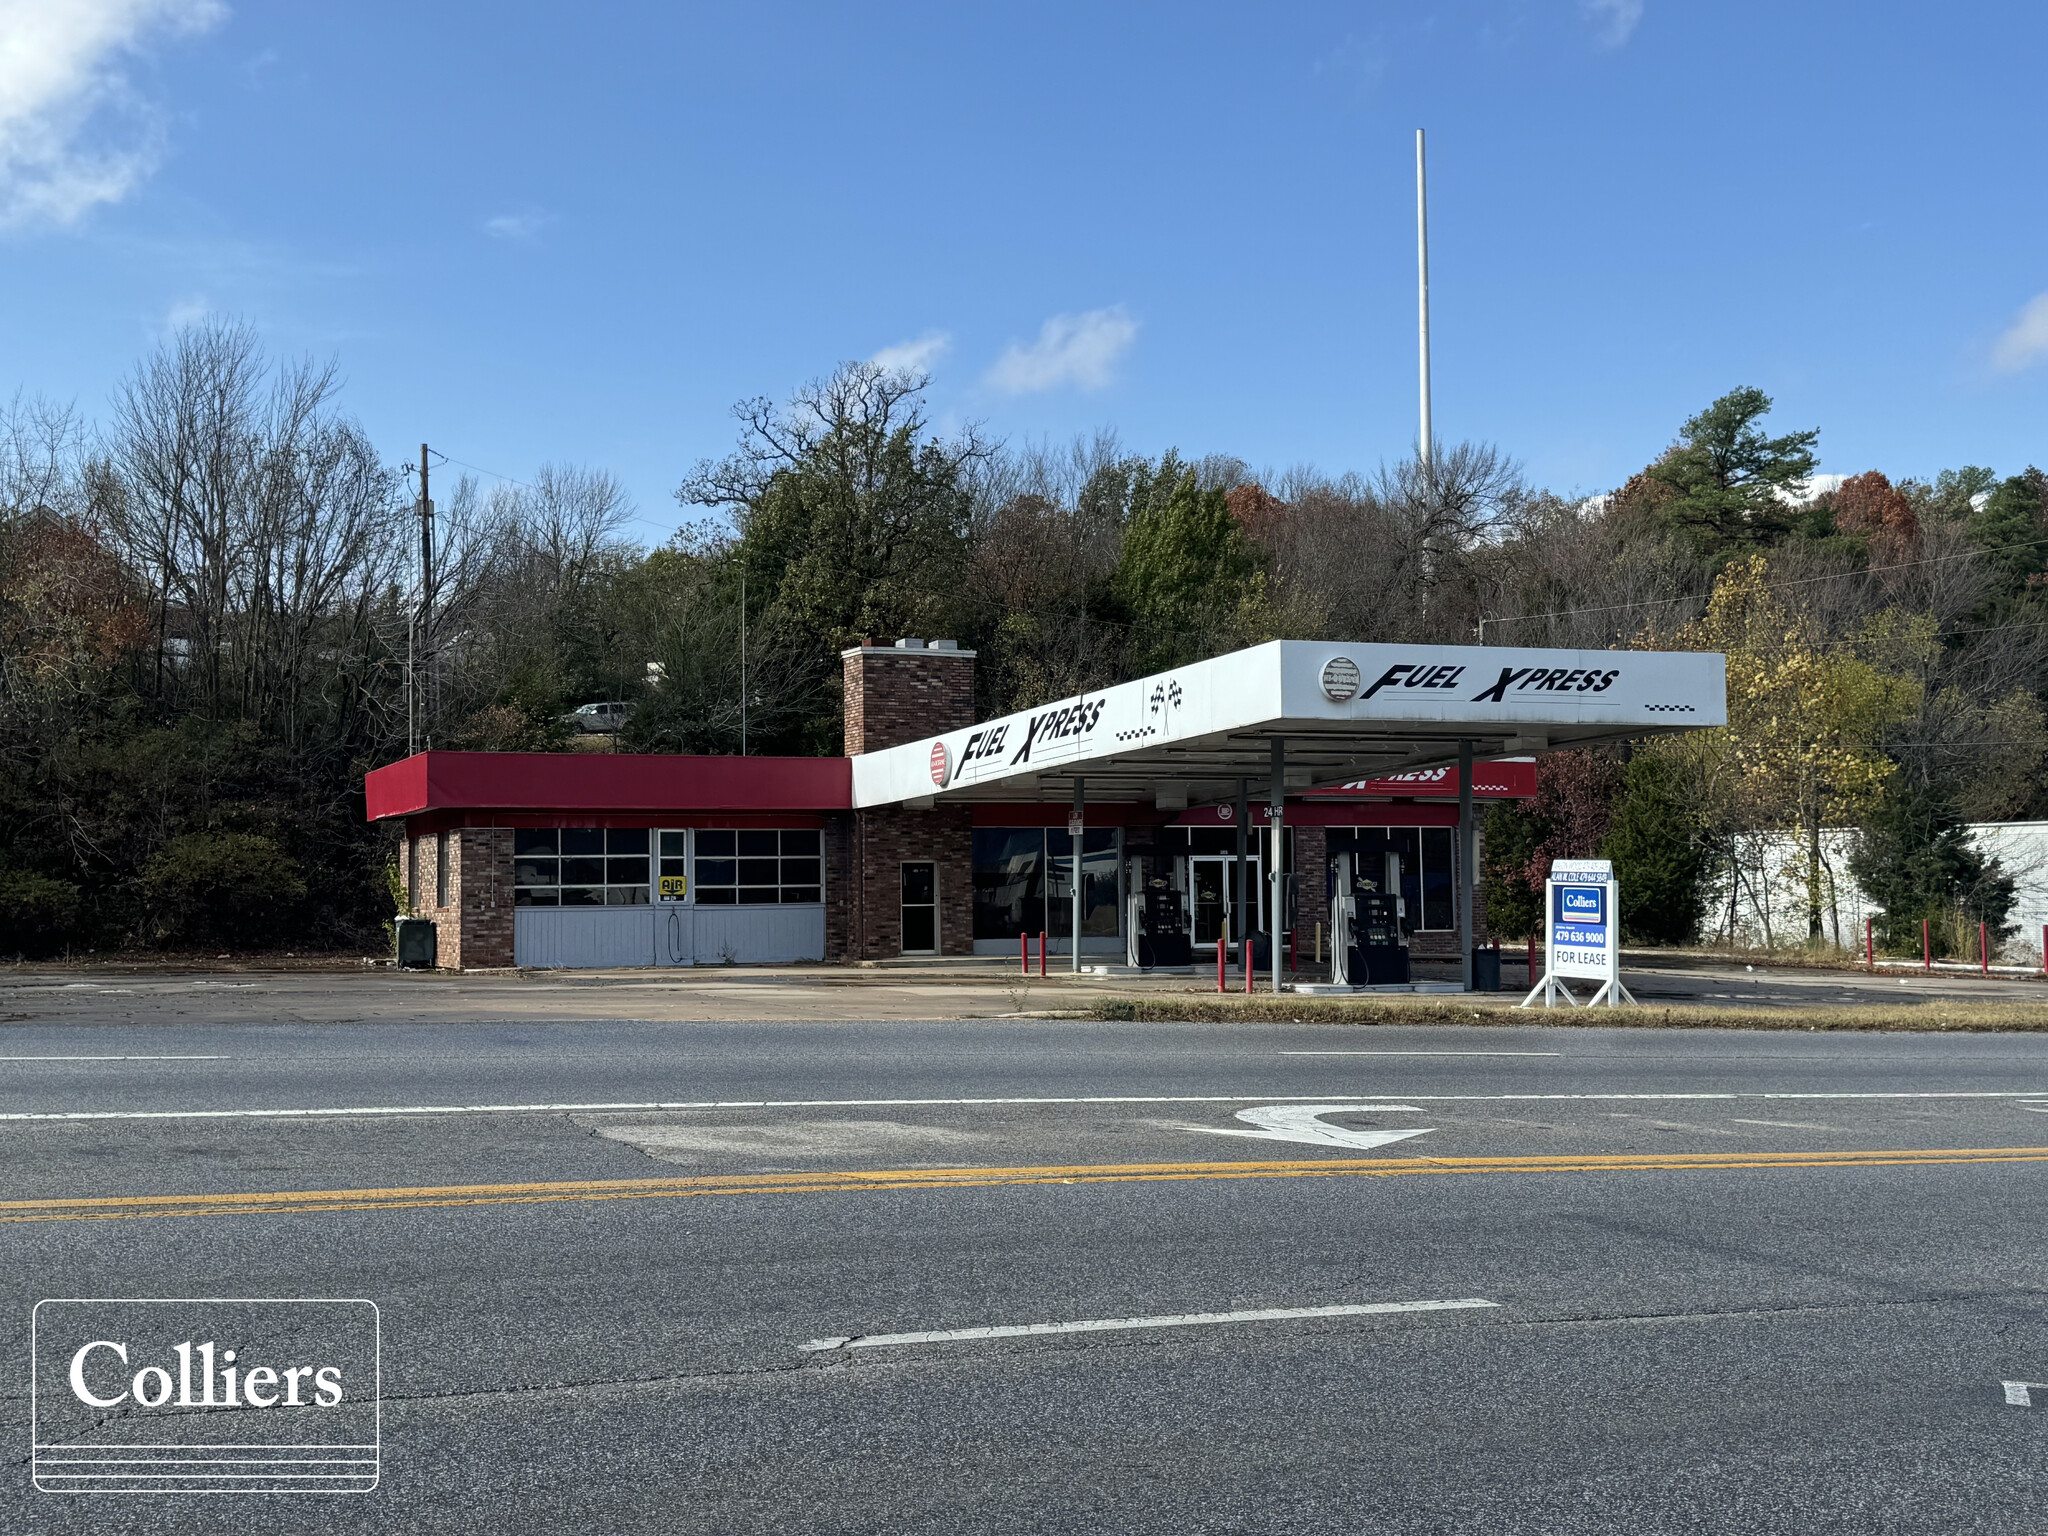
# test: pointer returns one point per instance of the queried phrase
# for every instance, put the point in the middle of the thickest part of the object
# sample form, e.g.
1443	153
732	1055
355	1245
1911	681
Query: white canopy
1343	711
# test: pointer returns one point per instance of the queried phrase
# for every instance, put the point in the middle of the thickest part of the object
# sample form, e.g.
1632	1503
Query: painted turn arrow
1303	1122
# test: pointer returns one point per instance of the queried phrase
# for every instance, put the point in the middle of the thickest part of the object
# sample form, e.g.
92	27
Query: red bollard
1926	947
1221	949
1293	950
1025	940
1532	959
1247	953
1869	946
1041	951
1984	949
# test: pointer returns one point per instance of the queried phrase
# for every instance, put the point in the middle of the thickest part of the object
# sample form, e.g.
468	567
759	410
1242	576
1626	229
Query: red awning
606	781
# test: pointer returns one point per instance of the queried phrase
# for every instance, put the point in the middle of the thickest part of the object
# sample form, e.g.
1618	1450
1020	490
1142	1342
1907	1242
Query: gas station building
936	834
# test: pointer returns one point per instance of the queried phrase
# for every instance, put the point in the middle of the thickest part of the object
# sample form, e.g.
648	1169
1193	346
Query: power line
513	479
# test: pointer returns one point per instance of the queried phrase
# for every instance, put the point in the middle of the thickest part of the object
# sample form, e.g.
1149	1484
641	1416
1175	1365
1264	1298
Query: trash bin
416	937
1261	946
1486	970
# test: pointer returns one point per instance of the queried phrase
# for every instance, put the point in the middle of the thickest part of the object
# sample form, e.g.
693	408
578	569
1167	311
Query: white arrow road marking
2016	1395
1303	1122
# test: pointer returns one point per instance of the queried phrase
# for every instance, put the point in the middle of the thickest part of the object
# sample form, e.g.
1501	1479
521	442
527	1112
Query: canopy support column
1240	925
1276	809
1077	827
1468	933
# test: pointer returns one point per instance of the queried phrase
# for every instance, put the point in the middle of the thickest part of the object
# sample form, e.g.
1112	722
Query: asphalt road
1734	1282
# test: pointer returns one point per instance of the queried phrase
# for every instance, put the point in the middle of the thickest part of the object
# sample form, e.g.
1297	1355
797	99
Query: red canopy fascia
605	782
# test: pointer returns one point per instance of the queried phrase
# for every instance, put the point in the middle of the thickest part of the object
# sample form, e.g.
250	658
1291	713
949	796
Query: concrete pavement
1739	1281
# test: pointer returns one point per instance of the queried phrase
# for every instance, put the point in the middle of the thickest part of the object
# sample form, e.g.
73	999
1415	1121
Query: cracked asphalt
1743	1282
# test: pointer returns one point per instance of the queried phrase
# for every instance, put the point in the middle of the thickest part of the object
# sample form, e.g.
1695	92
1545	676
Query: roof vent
910	645
943	645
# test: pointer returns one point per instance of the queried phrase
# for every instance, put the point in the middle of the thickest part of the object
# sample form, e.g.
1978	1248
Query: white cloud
72	132
517	226
914	356
1614	21
1071	349
2026	340
189	310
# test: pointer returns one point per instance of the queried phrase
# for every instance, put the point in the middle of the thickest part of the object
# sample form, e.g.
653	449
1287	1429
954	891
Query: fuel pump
1343	914
1368	946
1161	923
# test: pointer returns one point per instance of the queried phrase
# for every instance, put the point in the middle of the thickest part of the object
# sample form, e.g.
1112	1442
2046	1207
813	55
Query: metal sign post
1582	914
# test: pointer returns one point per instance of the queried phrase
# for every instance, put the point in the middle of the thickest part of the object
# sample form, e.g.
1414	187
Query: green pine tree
1729	478
1660	858
1915	859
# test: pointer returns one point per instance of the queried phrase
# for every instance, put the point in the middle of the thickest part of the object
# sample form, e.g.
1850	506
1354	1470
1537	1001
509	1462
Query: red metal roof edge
611	781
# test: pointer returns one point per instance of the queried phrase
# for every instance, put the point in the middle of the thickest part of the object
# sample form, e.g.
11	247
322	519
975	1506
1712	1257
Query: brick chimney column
905	692
895	694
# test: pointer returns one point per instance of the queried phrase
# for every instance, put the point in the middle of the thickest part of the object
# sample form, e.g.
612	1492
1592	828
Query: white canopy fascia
1344	712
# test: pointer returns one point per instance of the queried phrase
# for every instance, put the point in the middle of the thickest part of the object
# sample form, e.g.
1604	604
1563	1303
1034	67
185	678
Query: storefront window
1439	882
1098	883
1428	873
1009	881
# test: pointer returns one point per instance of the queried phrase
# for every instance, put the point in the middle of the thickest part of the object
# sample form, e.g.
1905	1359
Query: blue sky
579	233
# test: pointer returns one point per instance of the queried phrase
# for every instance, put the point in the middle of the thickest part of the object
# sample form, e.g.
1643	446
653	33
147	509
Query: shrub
37	914
231	888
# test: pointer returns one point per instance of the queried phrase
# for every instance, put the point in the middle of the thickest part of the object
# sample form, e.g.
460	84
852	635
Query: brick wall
882	840
1311	886
840	875
893	696
475	928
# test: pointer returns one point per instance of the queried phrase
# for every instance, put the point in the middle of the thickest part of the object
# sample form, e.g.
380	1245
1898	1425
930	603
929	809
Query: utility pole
743	659
423	620
1426	447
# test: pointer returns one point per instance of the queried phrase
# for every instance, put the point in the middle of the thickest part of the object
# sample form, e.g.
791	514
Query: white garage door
590	898
585	936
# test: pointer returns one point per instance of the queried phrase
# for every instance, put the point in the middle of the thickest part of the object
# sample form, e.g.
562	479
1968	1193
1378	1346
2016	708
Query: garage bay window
580	867
759	867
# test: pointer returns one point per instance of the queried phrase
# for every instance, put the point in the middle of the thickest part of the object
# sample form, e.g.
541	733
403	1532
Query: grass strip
1871	1018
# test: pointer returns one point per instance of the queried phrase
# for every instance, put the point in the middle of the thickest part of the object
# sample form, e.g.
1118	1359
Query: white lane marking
116	1058
1212	1098
1786	1125
1303	1123
1111	1324
2016	1394
1422	1053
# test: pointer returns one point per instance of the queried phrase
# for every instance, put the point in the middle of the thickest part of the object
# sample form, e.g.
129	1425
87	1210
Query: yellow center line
273	1202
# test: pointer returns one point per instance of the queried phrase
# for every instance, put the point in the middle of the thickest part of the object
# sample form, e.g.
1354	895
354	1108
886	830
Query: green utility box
416	938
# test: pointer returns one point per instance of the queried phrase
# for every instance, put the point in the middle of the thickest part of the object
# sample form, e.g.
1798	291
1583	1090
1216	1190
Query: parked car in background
599	719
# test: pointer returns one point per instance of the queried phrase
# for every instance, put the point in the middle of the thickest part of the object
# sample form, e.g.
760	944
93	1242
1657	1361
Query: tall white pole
1427	442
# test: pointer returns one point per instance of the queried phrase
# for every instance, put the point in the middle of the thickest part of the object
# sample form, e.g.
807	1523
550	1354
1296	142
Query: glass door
1213	879
920	907
1209	879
